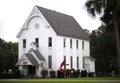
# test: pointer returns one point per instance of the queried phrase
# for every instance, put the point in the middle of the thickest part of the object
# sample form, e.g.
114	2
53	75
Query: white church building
46	37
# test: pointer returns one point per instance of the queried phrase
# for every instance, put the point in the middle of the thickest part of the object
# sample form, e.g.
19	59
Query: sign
25	63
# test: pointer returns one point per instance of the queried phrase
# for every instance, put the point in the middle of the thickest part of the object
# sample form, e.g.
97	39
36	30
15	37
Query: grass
57	82
83	78
53	82
71	80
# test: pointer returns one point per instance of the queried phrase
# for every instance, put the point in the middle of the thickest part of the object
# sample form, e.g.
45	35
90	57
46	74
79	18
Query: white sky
13	14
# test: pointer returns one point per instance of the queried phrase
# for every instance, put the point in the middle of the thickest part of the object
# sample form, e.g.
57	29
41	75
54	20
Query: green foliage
44	73
110	17
52	74
8	55
71	80
72	73
67	73
103	50
83	73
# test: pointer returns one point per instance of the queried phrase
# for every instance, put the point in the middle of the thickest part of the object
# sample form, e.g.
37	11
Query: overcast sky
13	14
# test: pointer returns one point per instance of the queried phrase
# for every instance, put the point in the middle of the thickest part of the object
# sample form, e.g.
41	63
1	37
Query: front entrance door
31	69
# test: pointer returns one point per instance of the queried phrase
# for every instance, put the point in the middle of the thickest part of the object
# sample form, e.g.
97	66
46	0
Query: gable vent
47	26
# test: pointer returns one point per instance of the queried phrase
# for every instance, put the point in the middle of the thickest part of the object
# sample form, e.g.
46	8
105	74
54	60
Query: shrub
10	76
17	74
44	73
72	73
91	74
13	74
52	74
60	74
83	73
67	73
77	73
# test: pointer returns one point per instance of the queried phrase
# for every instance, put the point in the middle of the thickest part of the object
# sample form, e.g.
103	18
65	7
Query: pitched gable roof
38	54
63	25
32	59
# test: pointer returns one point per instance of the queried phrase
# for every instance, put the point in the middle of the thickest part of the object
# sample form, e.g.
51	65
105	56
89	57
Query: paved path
111	81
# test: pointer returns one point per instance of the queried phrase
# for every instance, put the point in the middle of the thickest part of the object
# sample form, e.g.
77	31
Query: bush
10	76
77	73
17	74
67	73
83	73
60	74
52	74
91	74
72	73
14	74
44	73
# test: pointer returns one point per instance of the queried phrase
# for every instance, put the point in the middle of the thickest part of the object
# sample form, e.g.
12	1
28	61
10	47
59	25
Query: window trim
83	62
37	42
64	42
49	41
83	45
50	61
71	62
77	44
70	43
77	62
24	43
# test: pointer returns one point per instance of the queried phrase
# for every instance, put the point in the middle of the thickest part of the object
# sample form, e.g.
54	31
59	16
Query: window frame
64	42
77	44
71	62
24	43
77	62
50	61
49	41
70	43
37	42
83	45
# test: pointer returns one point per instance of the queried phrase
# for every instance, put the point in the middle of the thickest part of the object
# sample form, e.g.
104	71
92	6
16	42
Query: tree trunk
116	32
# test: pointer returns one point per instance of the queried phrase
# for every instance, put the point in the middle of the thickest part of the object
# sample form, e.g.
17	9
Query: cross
65	66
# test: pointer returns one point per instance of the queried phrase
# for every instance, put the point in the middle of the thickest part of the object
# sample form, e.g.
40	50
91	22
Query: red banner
61	65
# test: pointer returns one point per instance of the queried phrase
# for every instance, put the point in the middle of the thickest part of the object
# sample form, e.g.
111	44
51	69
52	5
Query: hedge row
69	73
15	74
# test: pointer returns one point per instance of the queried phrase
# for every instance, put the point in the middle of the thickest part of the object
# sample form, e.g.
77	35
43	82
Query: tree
107	7
8	55
103	50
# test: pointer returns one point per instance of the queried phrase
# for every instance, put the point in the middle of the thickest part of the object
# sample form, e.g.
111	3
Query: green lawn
52	82
71	80
56	82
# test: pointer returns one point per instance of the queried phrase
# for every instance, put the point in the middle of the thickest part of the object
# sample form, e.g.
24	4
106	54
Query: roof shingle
63	25
32	59
39	55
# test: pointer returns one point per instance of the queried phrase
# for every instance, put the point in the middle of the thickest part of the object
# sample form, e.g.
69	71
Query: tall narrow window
64	43
83	45
70	43
71	61
41	65
50	42
83	62
77	62
24	43
37	42
77	44
49	61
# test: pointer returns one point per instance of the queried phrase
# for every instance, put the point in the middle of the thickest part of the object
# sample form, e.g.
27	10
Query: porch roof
38	54
32	59
29	57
